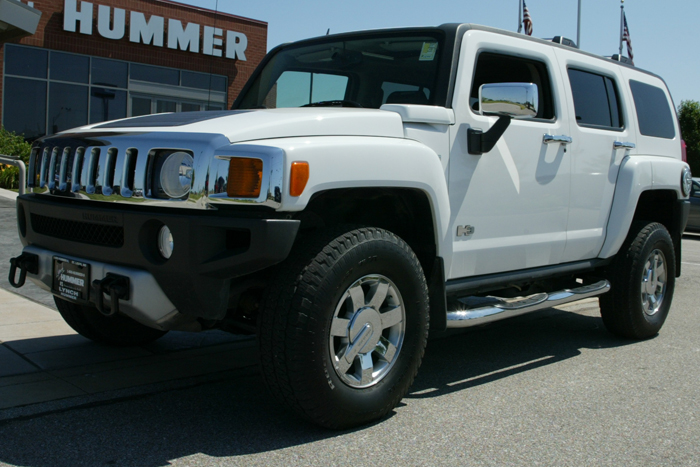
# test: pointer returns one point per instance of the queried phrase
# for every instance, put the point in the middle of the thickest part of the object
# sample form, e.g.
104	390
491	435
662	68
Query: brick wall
50	34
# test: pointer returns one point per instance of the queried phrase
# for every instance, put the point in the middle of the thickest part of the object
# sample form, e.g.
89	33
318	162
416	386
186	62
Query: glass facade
47	91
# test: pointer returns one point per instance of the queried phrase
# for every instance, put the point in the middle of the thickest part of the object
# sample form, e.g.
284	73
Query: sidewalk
45	365
43	361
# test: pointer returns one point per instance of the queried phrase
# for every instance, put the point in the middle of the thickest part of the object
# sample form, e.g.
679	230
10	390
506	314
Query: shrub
12	144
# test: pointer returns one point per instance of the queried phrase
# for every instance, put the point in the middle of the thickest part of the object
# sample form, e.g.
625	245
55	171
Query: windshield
366	71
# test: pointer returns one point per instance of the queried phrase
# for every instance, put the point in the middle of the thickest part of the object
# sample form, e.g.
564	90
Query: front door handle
560	139
622	144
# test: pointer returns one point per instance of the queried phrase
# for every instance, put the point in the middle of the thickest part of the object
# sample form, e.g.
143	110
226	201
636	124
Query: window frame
550	82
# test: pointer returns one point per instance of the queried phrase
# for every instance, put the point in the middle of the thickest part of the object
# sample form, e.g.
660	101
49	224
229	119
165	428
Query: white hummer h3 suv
365	188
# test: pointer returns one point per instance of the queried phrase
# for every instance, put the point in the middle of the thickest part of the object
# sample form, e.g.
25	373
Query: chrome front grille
92	170
119	167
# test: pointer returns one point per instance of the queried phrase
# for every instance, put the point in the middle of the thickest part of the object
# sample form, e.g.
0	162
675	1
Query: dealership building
70	62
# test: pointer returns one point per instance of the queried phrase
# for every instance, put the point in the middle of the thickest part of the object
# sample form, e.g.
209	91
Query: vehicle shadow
485	354
236	417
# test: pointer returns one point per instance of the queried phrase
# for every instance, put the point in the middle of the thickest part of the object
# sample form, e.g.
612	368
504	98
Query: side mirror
507	101
512	99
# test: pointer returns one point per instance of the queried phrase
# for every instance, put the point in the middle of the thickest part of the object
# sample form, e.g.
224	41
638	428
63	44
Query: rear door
602	131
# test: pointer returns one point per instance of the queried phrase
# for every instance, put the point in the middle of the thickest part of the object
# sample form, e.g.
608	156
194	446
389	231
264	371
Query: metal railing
17	162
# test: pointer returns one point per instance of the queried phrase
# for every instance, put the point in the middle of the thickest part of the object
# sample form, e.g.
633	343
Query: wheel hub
367	331
653	282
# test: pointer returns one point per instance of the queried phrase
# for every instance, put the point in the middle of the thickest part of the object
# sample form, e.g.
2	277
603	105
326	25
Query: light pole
578	27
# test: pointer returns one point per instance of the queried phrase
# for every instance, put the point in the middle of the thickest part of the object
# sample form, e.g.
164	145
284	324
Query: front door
510	205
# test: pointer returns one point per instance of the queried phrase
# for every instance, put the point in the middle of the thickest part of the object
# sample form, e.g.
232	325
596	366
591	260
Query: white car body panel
352	162
638	174
422	113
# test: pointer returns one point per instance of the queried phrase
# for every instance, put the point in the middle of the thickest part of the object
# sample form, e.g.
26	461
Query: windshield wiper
336	103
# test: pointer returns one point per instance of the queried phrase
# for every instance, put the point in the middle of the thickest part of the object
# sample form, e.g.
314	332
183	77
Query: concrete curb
8	194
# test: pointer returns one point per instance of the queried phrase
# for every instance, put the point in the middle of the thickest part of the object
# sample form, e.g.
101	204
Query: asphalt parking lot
549	388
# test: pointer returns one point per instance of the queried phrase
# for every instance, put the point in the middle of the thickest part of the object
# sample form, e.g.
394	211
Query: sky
665	33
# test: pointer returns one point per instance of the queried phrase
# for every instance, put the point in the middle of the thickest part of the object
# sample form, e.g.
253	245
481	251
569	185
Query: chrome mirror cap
511	99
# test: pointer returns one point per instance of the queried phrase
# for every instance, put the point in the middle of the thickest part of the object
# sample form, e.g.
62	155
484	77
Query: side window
595	100
499	68
653	112
297	88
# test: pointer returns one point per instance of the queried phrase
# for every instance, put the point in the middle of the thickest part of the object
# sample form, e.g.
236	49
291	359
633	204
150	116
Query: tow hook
114	285
26	262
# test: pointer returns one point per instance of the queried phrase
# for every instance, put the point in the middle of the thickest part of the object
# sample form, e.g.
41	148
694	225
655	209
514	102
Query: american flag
527	21
626	38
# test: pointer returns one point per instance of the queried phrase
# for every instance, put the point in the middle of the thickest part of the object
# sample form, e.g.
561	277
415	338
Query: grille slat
63	171
52	169
91	176
77	169
83	232
31	177
44	168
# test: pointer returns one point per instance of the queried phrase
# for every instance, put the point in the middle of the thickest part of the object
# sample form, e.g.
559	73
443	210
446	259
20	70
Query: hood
249	125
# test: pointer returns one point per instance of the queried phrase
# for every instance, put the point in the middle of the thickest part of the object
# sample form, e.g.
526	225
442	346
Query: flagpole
520	16
622	23
578	27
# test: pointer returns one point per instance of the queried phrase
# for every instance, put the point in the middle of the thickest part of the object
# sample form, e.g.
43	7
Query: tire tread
287	317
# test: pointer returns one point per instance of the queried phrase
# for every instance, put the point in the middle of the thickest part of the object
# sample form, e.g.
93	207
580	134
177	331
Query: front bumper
211	247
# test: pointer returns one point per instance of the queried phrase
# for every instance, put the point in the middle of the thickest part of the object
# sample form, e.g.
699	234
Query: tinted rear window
595	100
653	112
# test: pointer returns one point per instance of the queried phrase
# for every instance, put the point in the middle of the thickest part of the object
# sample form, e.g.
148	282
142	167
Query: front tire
344	325
117	330
643	280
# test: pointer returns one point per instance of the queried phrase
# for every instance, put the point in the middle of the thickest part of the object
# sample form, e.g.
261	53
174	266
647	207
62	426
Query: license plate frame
71	279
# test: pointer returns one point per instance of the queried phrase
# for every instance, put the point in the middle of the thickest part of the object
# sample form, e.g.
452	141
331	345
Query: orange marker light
298	178
244	177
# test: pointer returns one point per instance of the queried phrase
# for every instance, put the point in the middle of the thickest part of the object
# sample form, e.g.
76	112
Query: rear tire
344	325
643	280
116	330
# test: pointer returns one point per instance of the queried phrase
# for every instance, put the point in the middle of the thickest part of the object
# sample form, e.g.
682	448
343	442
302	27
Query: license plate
71	279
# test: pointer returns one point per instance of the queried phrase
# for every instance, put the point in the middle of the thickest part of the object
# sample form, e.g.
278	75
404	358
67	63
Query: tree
689	117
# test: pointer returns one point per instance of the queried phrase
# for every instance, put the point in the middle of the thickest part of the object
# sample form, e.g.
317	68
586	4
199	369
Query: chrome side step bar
501	309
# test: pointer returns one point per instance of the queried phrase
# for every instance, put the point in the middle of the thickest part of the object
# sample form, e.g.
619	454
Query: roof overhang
17	19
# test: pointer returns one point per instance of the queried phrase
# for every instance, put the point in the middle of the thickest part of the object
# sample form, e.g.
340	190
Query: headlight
165	242
686	181
176	174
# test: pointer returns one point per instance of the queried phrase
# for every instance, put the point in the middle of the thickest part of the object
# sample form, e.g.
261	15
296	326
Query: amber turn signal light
298	178
244	177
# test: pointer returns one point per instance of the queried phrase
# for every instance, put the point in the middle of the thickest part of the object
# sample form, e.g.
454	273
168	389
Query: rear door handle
561	139
623	144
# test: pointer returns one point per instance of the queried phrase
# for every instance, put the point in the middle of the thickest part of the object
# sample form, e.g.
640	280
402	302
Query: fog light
165	242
